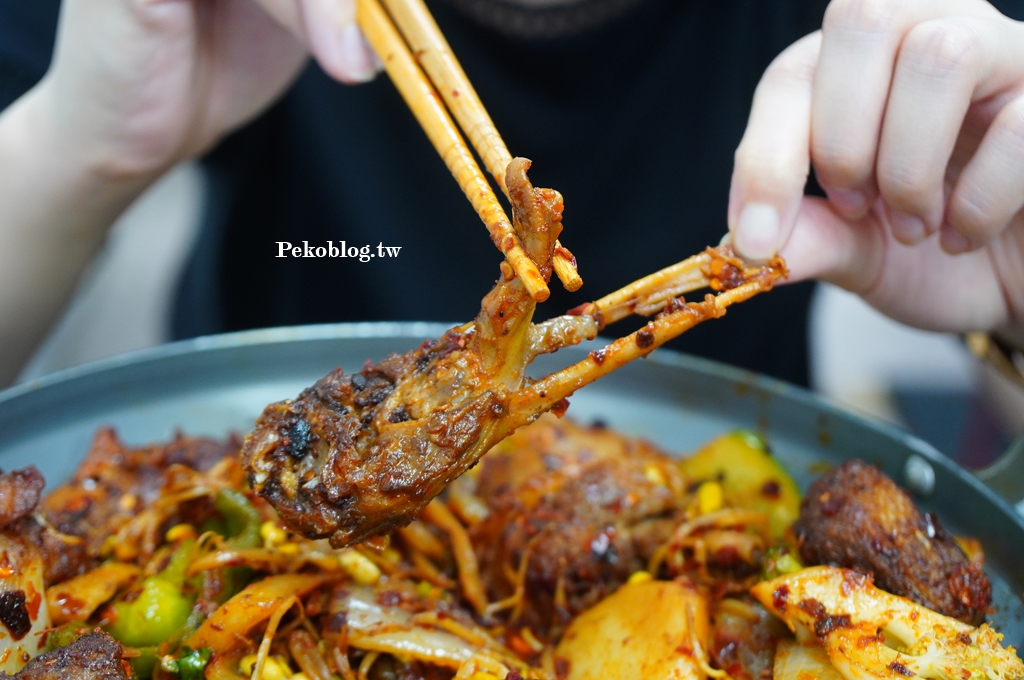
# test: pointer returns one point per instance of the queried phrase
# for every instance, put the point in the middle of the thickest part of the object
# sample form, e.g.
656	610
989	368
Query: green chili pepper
191	665
62	636
241	517
780	560
158	612
161	607
144	663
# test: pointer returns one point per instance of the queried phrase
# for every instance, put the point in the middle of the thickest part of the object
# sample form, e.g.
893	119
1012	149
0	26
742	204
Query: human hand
136	85
912	113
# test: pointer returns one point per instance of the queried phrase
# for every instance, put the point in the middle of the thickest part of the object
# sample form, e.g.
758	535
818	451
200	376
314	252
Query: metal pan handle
1006	475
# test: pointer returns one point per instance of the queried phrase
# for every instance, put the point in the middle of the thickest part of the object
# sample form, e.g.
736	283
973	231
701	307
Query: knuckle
941	47
839	163
766	170
971	214
905	187
1011	120
790	66
867	16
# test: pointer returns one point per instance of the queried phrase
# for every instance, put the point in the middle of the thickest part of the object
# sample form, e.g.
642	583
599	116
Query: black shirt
635	122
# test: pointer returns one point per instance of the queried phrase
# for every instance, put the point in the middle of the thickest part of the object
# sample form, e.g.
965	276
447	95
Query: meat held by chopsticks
359	455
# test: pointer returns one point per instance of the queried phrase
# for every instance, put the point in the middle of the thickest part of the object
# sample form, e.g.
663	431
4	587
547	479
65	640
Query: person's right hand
137	85
912	114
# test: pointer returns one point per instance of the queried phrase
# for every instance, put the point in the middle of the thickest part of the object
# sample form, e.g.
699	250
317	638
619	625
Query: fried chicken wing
856	517
358	455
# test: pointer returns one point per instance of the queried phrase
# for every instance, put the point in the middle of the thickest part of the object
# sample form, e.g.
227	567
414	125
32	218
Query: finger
772	161
990	190
336	41
861	40
919	285
286	13
939	68
328	27
825	245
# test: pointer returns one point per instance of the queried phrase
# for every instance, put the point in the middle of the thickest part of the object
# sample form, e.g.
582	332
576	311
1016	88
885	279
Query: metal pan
214	385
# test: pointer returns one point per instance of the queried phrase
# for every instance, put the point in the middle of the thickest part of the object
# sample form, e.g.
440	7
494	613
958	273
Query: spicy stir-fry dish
569	552
359	455
360	533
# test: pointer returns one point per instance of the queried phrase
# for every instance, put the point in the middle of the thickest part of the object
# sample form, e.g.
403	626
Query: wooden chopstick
432	52
422	100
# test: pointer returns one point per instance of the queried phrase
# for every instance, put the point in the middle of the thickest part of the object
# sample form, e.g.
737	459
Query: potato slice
750	477
656	630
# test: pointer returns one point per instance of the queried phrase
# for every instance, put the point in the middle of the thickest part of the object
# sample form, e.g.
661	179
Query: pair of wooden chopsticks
425	40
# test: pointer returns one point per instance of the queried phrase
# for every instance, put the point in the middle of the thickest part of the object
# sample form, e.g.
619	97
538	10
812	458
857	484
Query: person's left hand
912	114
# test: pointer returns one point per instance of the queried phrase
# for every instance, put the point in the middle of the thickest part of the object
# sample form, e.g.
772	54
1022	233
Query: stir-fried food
362	454
95	656
857	517
869	633
571	553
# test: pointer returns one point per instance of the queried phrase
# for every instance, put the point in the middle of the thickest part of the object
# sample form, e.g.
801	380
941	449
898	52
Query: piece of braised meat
856	517
585	507
96	656
19	494
115	482
61	556
359	455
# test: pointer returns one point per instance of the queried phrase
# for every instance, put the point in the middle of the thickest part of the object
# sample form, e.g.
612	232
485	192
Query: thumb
330	32
824	245
773	158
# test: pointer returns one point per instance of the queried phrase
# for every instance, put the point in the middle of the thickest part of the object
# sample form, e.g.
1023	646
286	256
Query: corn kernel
246	663
359	567
289	549
709	497
275	668
179	531
639	577
125	551
272	534
655	475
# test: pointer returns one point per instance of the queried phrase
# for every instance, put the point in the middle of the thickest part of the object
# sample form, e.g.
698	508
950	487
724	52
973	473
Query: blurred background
925	382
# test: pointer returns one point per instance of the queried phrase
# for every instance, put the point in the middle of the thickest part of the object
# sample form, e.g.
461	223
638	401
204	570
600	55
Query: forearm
56	205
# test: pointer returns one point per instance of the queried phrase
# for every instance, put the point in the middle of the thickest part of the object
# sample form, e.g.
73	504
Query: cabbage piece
23	611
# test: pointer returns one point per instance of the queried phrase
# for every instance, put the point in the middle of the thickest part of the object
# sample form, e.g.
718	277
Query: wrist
94	150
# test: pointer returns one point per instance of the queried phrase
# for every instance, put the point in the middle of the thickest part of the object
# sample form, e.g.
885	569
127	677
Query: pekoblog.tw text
362	253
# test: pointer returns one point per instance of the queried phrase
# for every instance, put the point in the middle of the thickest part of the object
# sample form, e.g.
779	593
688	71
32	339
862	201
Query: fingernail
908	229
355	55
757	231
726	240
953	242
848	202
